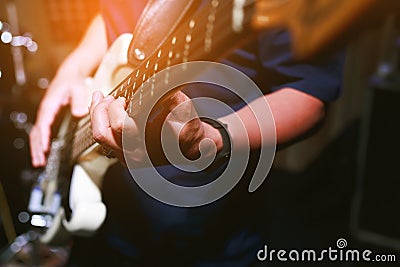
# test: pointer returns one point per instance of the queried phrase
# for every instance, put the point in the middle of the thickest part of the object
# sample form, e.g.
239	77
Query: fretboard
210	33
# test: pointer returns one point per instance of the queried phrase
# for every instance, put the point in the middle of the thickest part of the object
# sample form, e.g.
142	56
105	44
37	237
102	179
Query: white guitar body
88	210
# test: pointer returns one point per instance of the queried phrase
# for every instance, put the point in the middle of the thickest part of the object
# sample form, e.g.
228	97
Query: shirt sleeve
120	16
279	68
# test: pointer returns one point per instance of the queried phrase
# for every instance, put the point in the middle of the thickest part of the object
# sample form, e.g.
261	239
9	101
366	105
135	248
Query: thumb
80	100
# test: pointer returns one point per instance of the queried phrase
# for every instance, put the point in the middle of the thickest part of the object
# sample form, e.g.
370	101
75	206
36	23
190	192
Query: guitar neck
204	35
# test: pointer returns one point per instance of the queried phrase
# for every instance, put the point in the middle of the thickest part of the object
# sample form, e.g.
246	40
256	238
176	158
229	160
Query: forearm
85	58
294	114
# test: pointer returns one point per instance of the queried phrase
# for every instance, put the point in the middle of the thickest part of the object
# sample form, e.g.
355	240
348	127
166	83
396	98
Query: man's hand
109	120
68	87
64	90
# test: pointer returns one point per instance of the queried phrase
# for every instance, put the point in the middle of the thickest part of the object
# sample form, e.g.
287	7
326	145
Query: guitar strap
158	21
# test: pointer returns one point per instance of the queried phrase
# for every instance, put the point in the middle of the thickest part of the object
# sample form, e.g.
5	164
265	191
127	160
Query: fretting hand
109	120
64	90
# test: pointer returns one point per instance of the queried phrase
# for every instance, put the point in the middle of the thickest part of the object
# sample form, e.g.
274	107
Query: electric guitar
190	30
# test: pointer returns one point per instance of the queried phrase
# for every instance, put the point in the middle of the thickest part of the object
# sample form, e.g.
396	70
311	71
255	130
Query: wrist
219	134
70	72
72	66
213	134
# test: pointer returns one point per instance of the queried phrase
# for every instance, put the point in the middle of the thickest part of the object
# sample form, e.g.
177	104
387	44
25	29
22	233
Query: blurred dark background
343	182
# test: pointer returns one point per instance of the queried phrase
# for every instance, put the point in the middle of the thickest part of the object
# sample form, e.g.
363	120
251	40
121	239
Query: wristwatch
224	154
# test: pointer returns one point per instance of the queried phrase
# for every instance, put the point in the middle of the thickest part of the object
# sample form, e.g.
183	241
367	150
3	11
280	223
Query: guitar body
181	35
87	211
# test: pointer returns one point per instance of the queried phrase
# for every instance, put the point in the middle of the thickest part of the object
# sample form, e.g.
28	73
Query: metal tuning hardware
139	54
45	199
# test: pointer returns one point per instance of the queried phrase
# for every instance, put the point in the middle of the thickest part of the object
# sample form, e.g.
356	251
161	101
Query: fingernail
95	96
108	98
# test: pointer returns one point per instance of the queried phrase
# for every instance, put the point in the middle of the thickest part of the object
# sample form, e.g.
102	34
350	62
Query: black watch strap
224	154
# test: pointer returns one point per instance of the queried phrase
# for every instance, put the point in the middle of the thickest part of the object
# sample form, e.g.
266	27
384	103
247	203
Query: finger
120	121
41	131
173	99
47	112
117	115
37	154
102	132
97	97
79	101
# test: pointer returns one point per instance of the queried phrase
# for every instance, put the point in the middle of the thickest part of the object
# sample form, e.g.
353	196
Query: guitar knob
139	54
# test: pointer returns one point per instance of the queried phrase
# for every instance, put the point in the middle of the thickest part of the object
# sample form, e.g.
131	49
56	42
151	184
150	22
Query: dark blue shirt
230	231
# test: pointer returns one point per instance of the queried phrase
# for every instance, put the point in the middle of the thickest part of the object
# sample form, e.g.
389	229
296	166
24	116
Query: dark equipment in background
20	93
375	217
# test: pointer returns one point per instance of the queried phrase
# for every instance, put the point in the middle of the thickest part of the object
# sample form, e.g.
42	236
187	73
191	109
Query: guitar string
87	140
196	54
118	87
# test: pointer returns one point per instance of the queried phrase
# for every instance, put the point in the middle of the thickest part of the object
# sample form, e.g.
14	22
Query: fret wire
114	91
138	70
159	58
182	31
196	48
198	51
